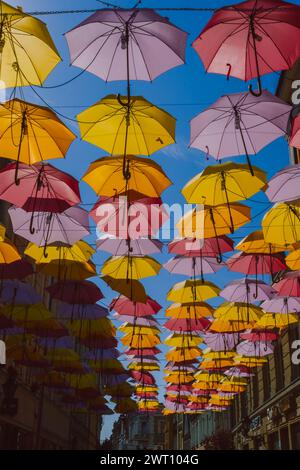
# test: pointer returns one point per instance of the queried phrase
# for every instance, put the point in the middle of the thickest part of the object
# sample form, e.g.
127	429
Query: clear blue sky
184	92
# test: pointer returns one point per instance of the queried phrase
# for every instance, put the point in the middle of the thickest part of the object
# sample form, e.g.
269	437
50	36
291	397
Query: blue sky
184	92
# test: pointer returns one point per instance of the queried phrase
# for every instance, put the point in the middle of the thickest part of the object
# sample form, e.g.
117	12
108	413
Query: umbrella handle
31	227
255	37
229	71
259	91
126	104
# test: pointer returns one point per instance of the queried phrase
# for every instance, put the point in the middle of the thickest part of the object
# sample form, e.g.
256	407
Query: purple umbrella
66	227
80	311
257	348
282	305
135	321
112	380
238	372
121	247
247	290
177	407
221	341
18	293
284	186
181	368
120	44
193	266
240	124
102	354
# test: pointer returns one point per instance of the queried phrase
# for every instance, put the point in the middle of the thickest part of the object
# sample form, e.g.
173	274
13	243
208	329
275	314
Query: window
266	380
279	369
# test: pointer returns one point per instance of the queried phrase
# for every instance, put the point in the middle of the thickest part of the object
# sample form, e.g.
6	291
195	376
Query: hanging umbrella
183	340
209	247
283	186
278	320
144	378
123	44
289	285
238	311
259	336
80	252
124	306
255	263
121	247
240	371
16	270
240	124
8	252
31	134
192	310
250	39
149	351
23	314
67	227
84	329
185	324
192	290
84	311
230	326
210	221
193	266
255	243
147	177
49	328
293	260
282	305
130	288
221	341
63	270
83	292
181	355
246	290
255	348
16	292
135	321
281	224
131	267
142	341
28	53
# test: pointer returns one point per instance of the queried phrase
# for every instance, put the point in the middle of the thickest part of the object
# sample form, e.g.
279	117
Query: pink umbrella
284	186
257	348
185	324
256	263
239	371
177	407
143	377
289	285
179	387
136	321
73	292
146	351
259	335
246	290
201	247
124	306
282	305
221	341
250	39
193	267
121	247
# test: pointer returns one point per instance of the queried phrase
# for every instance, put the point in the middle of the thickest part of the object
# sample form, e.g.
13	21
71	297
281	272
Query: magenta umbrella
118	44
259	335
246	290
193	267
141	321
67	227
201	247
282	305
256	263
75	292
185	324
284	186
16	270
177	407
250	39
147	351
179	387
289	285
144	377
257	348
240	124
221	341
124	306
239	371
121	247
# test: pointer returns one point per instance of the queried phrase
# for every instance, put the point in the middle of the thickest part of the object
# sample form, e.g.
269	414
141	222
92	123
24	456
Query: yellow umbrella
208	364
112	366
8	252
192	310
142	341
220	400
109	123
223	184
281	224
147	404
198	399
147	366
26	313
250	361
2	233
192	290
131	267
84	329
292	260
238	311
213	221
67	270
216	355
183	354
146	388
255	243
106	177
183	340
230	326
179	378
79	252
231	388
28	53
205	377
276	320
130	288
138	330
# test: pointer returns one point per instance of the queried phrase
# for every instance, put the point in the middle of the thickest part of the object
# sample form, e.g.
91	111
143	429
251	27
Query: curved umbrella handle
259	91
123	103
31	227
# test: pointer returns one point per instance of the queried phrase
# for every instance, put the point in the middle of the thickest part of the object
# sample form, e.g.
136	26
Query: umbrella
141	321
282	305
140	342
25	314
230	326
255	243
8	252
31	134
192	310
281	224
210	221
116	215
17	292
255	348
83	292
123	44
289	285
123	127
67	227
247	290
130	288
63	270
80	252
293	260
16	270
238	311
121	247
149	351
193	266
192	290
250	39
197	247
49	328
240	124
258	335
221	341
240	371
283	186
124	306
147	177
130	267
182	355
28	53
185	324
183	340
255	263
275	320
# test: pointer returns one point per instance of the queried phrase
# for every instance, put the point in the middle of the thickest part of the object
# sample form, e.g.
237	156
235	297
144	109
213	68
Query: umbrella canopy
124	306
183	340
140	341
130	288
8	252
232	182
259	336
255	348
27	50
192	290
84	311
18	293
185	324
182	355
282	305
147	177
63	270
250	39
293	260
139	247
283	186
255	263
192	266
192	310
140	128
238	311
289	285
255	243
103	42
67	227
247	290
281	224
16	270
200	247
80	252
24	314
221	341
130	267
240	124
278	320
84	292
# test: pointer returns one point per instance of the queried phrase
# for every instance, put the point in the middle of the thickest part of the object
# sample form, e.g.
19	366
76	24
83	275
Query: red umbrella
256	263
124	306
259	335
144	377
146	351
250	39
289	286
17	270
72	292
201	247
179	387
185	324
